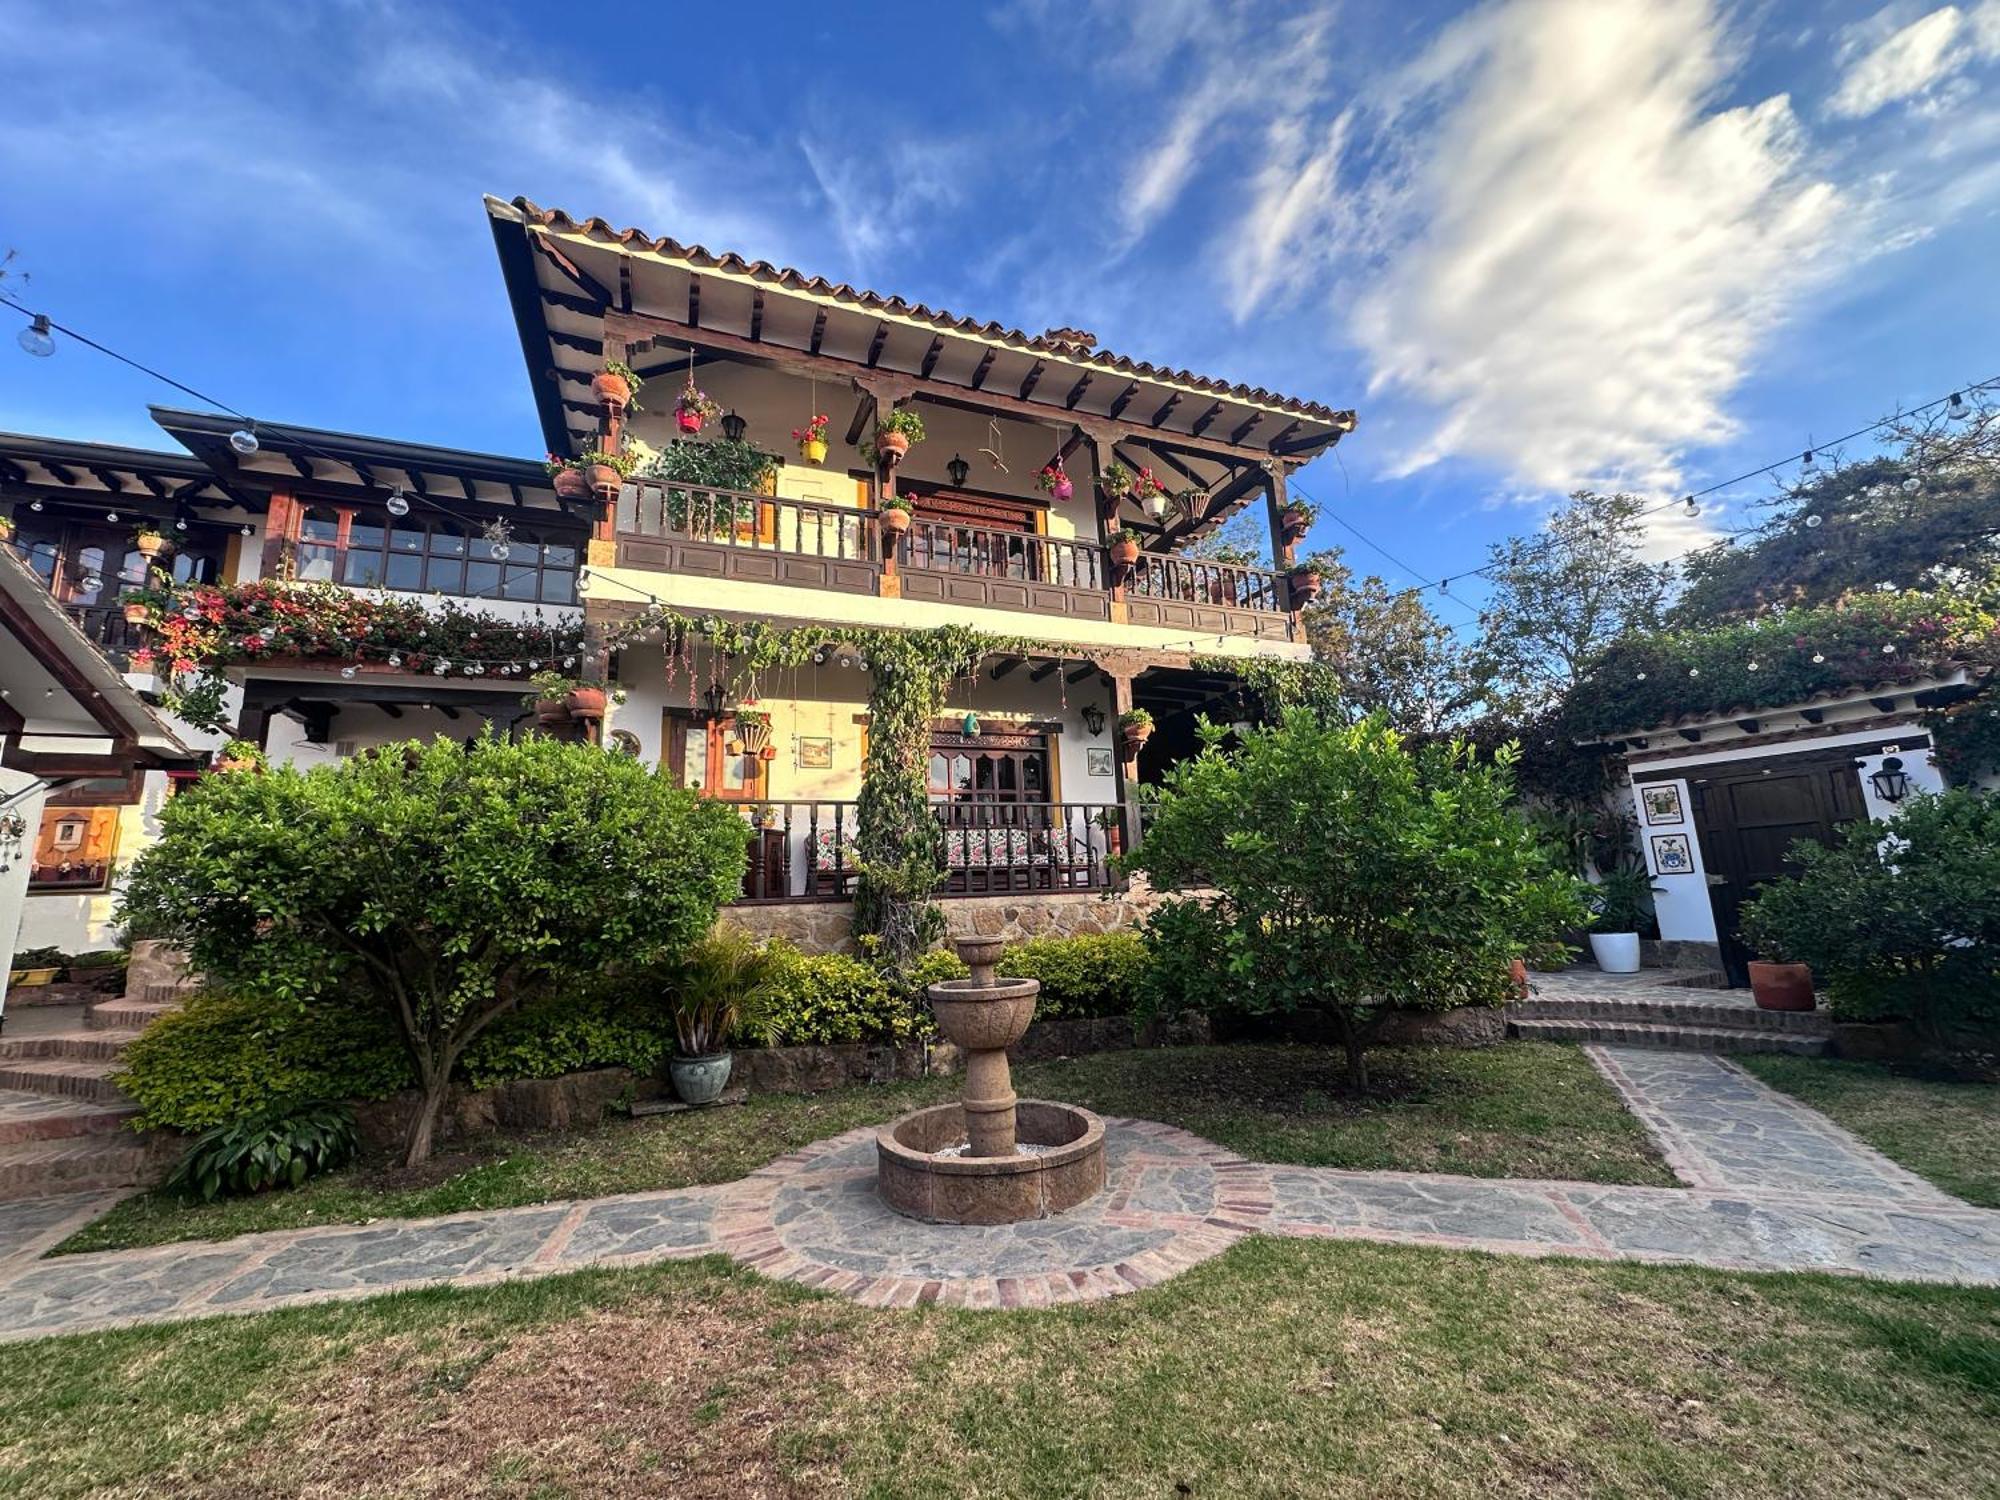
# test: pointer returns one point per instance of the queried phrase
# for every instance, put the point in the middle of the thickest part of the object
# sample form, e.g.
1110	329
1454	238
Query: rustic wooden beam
1247	426
931	357
985	366
592	347
624	283
863	409
1203	422
1007	666
154	483
1034	377
590	285
875	344
694	302
1166	409
570	303
303	464
1045	671
1076	391
1124	400
108	479
819	332
63	475
1078	674
757	316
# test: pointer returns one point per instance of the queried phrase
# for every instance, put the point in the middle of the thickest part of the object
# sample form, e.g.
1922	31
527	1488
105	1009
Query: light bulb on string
111	516
347	672
1640	678
1815	522
1912	485
398	503
1694	671
246	528
395	660
243	441
90	583
1808	462
1889	648
36	339
1956	407
1689	508
1819	658
35	504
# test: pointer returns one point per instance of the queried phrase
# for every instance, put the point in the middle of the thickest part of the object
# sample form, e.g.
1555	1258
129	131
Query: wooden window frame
347	515
678	724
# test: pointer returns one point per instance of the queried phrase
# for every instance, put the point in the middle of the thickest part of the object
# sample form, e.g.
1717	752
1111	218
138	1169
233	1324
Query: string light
244	439
36	338
1689	508
398	503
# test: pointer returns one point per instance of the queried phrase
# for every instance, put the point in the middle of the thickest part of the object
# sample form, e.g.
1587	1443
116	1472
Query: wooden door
1748	820
699	754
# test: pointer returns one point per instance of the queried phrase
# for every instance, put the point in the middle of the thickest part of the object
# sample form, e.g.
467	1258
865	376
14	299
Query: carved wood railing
956	547
1198	581
736	518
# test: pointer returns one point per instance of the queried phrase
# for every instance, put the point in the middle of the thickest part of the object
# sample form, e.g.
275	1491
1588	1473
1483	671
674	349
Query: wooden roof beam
1124	400
694	302
1166	410
985	366
818	333
589	284
1034	377
1203	422
931	357
875	344
1247	426
1076	391
757	316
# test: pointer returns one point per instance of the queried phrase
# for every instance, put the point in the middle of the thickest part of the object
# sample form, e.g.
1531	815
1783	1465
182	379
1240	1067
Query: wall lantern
958	469
712	695
1891	782
1093	718
733	427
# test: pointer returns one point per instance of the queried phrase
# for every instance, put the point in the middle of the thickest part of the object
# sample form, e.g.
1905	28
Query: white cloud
1916	59
1548	230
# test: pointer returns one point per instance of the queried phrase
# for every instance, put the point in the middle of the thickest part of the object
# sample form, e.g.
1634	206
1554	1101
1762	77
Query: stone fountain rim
1091	1140
972	992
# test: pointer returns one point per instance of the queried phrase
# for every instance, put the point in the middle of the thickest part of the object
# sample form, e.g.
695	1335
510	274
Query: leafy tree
1899	918
1350	874
1389	653
1562	596
442	884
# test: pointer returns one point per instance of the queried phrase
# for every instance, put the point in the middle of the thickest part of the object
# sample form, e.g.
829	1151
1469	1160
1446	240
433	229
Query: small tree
443	883
1391	654
1899	919
1354	875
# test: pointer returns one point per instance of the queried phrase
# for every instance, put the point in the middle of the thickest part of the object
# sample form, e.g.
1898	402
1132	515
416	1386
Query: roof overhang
67	711
135	481
1826	710
565	276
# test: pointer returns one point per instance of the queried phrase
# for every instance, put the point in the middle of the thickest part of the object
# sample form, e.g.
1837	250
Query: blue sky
1538	243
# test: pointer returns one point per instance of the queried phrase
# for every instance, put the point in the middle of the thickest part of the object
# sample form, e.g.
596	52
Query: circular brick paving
1170	1201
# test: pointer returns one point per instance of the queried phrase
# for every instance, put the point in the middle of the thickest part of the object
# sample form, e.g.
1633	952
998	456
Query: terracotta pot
689	421
1517	978
1781	986
895	522
1125	553
891	446
585	702
572	484
1305	584
769	752
228	764
605	480
149	546
135	614
1294	522
551	713
813	450
612	390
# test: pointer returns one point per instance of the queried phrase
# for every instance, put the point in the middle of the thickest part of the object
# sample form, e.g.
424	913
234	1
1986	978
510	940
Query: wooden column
1128	766
886	393
1102	439
610	438
1283	552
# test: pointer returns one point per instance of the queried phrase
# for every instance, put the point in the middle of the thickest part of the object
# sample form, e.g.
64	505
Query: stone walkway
1772	1186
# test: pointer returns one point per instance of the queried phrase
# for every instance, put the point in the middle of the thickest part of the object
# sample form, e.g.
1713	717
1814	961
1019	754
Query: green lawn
1946	1132
1524	1109
1282	1368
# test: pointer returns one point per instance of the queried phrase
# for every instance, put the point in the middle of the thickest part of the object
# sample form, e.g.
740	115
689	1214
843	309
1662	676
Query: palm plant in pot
724	986
1622	900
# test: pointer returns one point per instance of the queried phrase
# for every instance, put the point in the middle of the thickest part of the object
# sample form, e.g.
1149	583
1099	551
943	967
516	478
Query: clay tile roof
1065	343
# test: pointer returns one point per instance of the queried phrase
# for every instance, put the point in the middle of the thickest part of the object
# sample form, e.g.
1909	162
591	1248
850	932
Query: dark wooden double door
1750	816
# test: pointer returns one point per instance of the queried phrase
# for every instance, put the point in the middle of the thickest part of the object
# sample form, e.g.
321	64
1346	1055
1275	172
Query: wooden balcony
731	534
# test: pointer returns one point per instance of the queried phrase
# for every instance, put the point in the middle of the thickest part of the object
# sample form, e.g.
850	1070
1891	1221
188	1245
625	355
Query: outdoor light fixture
37	340
1689	507
733	427
244	439
958	468
1955	408
398	503
1093	718
1891	782
712	695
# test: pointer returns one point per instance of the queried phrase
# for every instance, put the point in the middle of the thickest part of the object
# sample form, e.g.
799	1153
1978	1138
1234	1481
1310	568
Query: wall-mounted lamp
712	696
1093	718
733	427
958	469
1891	782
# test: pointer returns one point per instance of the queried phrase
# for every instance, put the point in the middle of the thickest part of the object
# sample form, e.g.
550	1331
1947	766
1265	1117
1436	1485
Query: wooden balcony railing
805	851
107	626
735	518
953	547
1195	580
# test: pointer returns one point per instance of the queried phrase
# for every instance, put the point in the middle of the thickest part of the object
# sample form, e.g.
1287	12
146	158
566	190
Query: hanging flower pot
1305	584
1295	520
605	480
1054	483
148	544
894	435
689	421
136	614
895	516
1135	727
753	728
892	446
585	702
811	439
768	753
572	484
693	410
6	528
612	388
1125	549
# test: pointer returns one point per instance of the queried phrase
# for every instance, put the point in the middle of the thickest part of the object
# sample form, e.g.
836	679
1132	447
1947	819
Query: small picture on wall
1663	804
815	753
1671	855
1098	763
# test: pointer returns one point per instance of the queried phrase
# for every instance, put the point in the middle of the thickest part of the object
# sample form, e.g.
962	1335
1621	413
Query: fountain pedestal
990	1159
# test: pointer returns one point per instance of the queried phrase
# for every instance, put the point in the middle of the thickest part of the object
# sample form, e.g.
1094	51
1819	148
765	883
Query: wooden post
1128	766
1283	551
886	393
1102	440
610	438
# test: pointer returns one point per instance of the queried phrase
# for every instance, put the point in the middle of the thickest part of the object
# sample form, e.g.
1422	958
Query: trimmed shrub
569	1034
823	998
1094	974
914	979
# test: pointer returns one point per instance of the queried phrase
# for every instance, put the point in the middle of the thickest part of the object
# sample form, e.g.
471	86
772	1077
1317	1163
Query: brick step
1673	1012
45	1117
166	994
40	1169
98	1046
126	1015
73	1078
1681	1038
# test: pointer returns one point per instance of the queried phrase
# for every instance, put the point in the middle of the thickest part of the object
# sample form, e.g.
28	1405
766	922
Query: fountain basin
915	1181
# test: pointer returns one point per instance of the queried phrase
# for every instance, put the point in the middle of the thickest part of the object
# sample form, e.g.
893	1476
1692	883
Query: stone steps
59	1123
1679	1036
89	1046
70	1077
1672	1012
40	1169
127	1015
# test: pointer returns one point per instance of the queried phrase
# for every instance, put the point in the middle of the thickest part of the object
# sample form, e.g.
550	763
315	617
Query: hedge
1095	974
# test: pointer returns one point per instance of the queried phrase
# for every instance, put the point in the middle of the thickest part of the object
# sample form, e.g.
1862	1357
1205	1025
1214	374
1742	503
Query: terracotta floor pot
1781	986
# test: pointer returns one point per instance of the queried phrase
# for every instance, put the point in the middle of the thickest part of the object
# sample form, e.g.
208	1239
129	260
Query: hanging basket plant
693	409
896	434
616	385
1305	584
1115	482
895	514
1296	519
1054	483
136	613
811	439
148	542
1150	493
753	729
1135	727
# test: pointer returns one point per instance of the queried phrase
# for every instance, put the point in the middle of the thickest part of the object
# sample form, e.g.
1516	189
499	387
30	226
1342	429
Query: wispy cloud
1915	60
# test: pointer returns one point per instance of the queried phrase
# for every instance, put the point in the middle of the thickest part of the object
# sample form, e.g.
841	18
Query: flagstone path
1772	1186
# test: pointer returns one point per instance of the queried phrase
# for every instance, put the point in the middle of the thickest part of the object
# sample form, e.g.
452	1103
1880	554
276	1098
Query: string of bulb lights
1954	405
37	338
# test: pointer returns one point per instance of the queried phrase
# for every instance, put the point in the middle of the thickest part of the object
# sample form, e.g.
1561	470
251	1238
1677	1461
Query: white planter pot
1616	952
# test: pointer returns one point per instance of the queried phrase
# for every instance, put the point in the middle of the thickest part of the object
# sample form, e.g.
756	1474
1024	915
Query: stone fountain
989	1159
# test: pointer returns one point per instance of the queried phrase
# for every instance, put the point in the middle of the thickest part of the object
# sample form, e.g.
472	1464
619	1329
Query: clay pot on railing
1125	552
572	484
585	702
604	481
891	446
551	713
136	614
895	521
612	390
1305	585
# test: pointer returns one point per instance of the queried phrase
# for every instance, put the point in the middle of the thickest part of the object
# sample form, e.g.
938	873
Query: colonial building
1052	500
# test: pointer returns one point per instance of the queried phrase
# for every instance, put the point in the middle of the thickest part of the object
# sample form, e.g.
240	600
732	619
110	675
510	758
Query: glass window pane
447	543
363	570
482	579
694	758
320	525
407	539
484	550
316	563
559	588
520	583
406	572
559	556
89	563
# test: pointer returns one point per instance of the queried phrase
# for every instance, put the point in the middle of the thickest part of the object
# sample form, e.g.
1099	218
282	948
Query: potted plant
811	439
1296	519
6	528
1125	547
1054	483
586	700
148	540
725	985
549	698
1622	900
1150	493
1776	985
895	513
136	611
36	966
694	409
595	472
240	755
1115	483
895	434
1135	727
1305	583
616	385
753	728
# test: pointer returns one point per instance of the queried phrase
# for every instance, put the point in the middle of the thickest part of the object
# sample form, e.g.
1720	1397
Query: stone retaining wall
1465	1026
827	926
